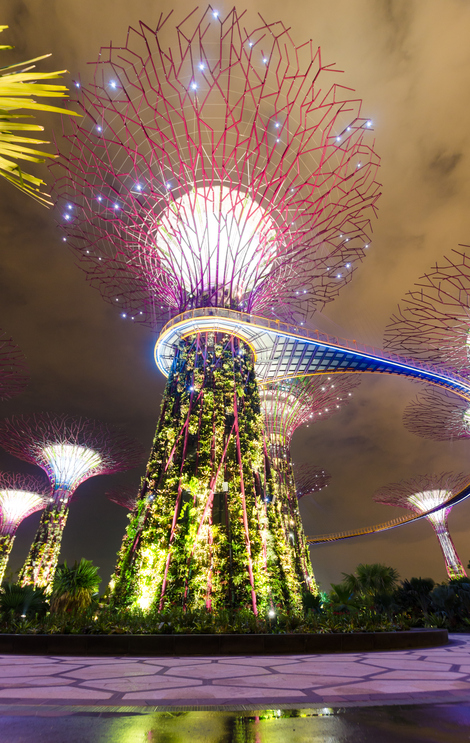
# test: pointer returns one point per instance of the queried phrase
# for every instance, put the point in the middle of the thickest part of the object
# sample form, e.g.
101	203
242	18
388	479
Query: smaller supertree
70	450
286	405
309	479
20	496
439	415
423	493
13	373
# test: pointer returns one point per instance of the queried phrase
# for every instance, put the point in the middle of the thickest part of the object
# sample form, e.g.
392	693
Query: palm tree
369	580
74	587
17	88
342	599
22	600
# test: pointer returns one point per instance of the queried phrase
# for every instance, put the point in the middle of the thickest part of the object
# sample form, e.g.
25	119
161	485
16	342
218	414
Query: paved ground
428	675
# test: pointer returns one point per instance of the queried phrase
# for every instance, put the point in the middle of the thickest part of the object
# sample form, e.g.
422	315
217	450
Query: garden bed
220	644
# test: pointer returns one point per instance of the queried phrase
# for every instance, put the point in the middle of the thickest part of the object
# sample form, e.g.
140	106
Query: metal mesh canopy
70	450
422	492
438	415
216	164
13	373
288	404
20	496
309	478
434	320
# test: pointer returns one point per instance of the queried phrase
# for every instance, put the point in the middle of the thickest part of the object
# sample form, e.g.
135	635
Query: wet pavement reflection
437	723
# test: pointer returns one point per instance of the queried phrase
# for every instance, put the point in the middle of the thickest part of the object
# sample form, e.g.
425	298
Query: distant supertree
286	405
70	450
20	496
13	373
126	497
434	320
309	479
423	493
439	415
229	172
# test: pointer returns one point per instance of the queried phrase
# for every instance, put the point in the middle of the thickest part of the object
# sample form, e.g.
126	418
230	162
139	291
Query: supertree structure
286	405
309	478
434	320
126	497
70	451
422	493
20	496
13	373
439	415
227	172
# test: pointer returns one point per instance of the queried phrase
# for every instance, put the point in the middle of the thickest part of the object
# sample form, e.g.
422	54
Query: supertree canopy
309	479
231	169
286	405
13	373
20	496
439	415
70	451
433	323
216	166
126	497
423	493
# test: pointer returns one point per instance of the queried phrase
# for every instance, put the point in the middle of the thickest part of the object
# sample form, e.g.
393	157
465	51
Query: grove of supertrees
286	405
70	450
20	496
13	373
216	166
423	493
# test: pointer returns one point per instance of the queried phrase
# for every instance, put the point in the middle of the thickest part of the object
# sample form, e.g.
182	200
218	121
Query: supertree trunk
205	532
454	567
6	543
41	563
290	515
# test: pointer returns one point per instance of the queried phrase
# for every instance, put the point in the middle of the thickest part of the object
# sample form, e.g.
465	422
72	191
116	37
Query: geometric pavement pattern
441	674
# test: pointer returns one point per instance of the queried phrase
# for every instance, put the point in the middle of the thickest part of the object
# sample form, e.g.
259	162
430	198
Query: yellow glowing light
217	237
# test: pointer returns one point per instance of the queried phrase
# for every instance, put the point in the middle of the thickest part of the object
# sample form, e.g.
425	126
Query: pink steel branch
438	415
434	320
13	373
309	478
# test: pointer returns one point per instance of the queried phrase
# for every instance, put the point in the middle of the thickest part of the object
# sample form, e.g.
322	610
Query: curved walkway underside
283	351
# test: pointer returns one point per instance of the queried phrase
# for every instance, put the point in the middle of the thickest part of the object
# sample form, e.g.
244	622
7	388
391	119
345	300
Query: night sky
409	60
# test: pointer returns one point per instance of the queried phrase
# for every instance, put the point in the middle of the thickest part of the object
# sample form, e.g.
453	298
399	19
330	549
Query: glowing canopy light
217	237
16	505
20	496
71	463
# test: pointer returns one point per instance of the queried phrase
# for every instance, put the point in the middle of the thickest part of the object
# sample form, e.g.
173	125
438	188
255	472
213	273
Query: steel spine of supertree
20	496
423	492
227	171
434	320
439	415
309	479
286	405
70	450
13	372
